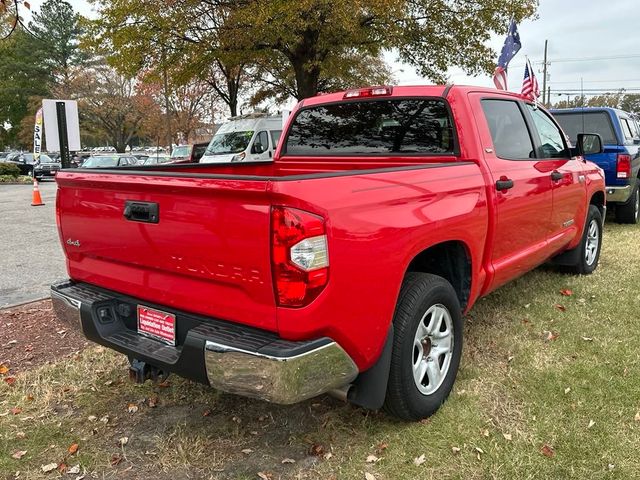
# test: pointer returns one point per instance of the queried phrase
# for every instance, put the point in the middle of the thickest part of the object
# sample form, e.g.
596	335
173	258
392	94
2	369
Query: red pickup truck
346	264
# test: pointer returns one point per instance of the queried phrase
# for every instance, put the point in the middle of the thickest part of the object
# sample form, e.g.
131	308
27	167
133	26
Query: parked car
247	138
347	264
46	167
23	160
188	153
155	159
620	159
109	161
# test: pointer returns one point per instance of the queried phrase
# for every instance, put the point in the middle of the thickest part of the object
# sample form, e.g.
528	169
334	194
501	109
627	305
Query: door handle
556	176
504	184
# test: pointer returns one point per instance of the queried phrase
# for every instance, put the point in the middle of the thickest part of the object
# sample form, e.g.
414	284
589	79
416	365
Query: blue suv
621	157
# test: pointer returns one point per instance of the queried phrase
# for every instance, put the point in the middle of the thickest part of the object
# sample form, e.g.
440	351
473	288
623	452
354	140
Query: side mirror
636	141
589	144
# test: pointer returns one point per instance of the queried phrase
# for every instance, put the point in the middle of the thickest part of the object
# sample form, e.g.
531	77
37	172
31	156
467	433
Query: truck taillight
623	169
299	256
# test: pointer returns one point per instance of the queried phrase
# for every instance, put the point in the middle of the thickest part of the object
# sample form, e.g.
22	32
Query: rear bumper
618	194
229	357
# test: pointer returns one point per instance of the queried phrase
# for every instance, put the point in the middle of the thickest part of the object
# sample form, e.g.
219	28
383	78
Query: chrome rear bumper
230	357
283	380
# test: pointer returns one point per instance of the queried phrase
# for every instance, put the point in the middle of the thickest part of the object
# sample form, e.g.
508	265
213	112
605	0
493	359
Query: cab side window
261	143
627	128
511	138
552	141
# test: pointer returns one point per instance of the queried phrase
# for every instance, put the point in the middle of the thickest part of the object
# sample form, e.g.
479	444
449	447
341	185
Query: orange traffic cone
36	199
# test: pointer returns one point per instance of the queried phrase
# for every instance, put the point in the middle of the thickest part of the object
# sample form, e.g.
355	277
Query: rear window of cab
373	127
587	122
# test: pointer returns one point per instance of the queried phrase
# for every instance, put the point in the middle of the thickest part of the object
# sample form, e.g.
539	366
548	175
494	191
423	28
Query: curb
21	304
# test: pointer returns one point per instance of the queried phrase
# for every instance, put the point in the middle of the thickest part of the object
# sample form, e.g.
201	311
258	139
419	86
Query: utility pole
165	85
545	98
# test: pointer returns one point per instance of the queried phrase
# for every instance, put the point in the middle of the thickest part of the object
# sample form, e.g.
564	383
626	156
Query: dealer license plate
157	324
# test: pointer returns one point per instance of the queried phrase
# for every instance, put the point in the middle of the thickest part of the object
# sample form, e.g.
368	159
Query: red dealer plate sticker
157	324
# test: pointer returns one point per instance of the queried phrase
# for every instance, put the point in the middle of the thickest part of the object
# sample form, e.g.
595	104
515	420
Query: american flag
530	87
511	46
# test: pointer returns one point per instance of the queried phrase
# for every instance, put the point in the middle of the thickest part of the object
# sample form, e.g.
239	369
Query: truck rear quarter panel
376	224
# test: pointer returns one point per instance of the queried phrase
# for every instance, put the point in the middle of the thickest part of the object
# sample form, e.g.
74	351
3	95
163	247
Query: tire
424	298
590	244
629	212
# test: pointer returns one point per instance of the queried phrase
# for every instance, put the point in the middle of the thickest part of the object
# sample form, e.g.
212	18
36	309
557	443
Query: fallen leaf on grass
369	476
637	417
265	475
479	450
206	413
21	435
562	308
18	454
123	441
327	455
372	459
591	424
152	401
132	408
455	450
116	460
16	411
74	470
565	292
49	467
247	451
420	460
549	336
485	433
567	390
381	447
547	451
3	369
62	468
164	384
288	460
92	418
10	380
587	339
316	450
507	436
73	448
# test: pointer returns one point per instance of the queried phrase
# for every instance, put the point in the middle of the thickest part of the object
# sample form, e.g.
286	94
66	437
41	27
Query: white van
247	138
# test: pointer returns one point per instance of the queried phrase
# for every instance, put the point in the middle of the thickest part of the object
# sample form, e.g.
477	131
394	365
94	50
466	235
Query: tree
23	79
111	106
302	47
57	28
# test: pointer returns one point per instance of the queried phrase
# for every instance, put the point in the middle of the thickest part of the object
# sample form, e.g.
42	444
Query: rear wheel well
598	200
449	260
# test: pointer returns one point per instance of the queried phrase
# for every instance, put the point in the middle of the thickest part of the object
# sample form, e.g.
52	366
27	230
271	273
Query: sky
592	40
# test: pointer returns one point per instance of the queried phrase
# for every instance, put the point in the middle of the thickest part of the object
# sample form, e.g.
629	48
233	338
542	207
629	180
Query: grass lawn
549	388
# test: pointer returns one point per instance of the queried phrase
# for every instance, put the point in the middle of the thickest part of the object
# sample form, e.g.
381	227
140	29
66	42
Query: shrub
10	169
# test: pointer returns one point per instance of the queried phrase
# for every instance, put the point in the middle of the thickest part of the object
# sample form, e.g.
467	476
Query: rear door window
574	123
626	128
509	132
374	127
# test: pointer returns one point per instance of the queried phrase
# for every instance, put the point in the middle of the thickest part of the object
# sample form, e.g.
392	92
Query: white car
248	138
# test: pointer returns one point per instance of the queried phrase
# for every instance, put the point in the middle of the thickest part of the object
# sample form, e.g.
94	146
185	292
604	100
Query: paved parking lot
31	257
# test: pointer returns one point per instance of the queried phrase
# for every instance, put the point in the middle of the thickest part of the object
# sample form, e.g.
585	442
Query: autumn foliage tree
309	46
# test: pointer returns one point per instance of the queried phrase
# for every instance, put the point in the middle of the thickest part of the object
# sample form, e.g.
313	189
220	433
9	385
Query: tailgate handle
147	212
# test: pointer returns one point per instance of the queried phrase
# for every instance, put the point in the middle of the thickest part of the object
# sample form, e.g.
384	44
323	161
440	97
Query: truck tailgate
208	253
